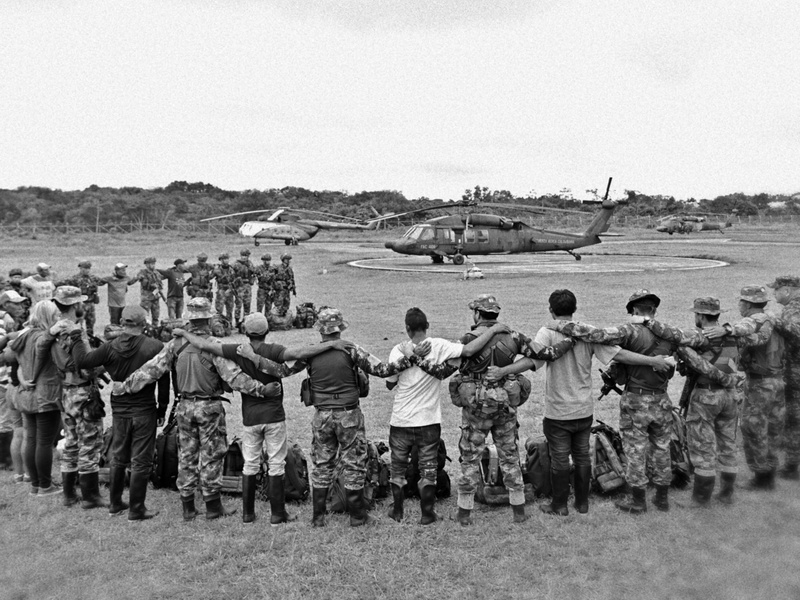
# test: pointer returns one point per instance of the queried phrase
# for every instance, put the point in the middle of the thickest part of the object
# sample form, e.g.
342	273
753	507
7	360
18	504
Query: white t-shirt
416	400
568	384
38	289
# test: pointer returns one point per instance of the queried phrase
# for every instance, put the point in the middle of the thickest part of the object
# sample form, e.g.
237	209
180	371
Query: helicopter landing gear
575	256
256	242
287	242
458	259
437	259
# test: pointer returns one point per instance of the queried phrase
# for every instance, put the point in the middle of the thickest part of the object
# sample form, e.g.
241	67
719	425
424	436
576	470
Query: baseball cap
11	296
84	265
256	324
120	266
150	259
485	303
133	314
15	271
69	294
42	266
178	261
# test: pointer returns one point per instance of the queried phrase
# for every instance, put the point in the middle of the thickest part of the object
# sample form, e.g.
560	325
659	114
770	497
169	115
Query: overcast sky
427	97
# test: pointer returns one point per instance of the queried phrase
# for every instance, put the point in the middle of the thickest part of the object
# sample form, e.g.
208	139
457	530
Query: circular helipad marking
541	264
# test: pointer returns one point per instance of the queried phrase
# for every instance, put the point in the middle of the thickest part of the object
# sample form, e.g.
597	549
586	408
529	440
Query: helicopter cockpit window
419	232
447	235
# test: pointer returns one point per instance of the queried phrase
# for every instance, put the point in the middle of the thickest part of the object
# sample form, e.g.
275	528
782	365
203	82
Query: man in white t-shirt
40	286
417	411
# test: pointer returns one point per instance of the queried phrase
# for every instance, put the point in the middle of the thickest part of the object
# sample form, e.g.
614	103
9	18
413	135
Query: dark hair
62	307
256	338
488	316
756	304
416	319
646	306
563	302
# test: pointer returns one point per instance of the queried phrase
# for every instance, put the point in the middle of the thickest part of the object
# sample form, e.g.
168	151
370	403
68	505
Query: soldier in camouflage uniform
200	378
245	276
225	275
787	293
284	284
202	275
88	284
150	284
265	276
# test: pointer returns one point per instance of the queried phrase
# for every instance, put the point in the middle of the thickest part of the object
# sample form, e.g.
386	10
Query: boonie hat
286	256
244	252
85	265
133	314
267	257
639	296
256	324
706	306
754	293
120	266
11	296
69	294
150	259
178	261
330	320
202	256
486	303
785	281
41	266
223	256
198	308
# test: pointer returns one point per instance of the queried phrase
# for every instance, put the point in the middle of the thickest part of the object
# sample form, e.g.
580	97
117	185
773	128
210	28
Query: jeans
133	441
565	438
269	439
175	307
402	440
41	430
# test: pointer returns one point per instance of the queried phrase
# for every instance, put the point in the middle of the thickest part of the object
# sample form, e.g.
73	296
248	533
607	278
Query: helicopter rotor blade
238	214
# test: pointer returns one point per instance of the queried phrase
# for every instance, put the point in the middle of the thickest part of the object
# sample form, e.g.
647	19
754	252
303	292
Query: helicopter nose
399	245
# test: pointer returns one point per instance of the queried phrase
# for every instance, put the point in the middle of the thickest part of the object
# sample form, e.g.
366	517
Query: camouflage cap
15	271
198	308
178	261
256	324
68	294
244	252
330	320
84	265
754	293
286	256
791	281
706	306
202	256
11	296
150	260
485	303
267	257
133	314
640	296
223	256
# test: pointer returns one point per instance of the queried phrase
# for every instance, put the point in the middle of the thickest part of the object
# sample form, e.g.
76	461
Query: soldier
40	286
200	380
15	280
225	276
176	279
245	276
265	277
787	293
13	310
118	283
88	283
284	284
202	274
150	284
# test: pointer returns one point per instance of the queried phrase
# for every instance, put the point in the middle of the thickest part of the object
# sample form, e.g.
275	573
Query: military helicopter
691	224
454	237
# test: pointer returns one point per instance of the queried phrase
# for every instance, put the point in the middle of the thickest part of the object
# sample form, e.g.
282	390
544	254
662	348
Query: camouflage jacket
202	274
265	277
750	331
284	278
225	276
365	361
88	285
150	282
245	271
788	325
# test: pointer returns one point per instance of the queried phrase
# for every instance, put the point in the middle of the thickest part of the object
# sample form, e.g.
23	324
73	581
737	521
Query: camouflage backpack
220	326
295	481
376	484
306	316
490	488
608	458
678	453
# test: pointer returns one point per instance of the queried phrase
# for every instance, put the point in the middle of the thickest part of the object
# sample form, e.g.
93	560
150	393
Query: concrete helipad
543	263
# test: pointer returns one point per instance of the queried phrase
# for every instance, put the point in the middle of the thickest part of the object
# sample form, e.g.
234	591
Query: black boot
358	508
761	481
319	499
427	502
636	503
726	481
277	502
519	513
68	482
583	479
396	509
189	511
138	494
558	505
215	509
90	491
249	498
790	472
116	484
661	499
5	450
703	486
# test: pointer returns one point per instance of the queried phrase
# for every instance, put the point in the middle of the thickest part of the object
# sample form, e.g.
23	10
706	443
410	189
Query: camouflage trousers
791	431
244	297
151	305
282	301
89	317
224	302
263	301
762	418
339	434
175	307
711	431
474	429
83	439
202	445
645	424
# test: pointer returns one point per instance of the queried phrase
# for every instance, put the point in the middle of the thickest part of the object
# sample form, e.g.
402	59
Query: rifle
688	387
609	384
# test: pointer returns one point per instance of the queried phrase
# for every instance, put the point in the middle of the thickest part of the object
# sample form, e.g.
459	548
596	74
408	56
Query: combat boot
138	493
703	487
558	504
661	499
68	482
277	502
90	491
583	479
427	502
726	481
789	472
116	485
319	499
463	516
215	509
5	450
189	511
249	498
635	504
761	481
519	513
357	506
396	509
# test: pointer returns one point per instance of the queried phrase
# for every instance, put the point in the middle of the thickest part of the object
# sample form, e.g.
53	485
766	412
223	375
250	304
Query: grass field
749	550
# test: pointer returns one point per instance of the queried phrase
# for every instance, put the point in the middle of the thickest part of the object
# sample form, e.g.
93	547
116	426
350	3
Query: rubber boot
277	502
427	502
396	509
138	493
519	513
761	481
770	482
358	508
703	486
249	498
90	491
68	482
5	450
116	485
661	499
464	516
790	472
215	509
636	503
726	481
583	479
558	505
319	499
189	510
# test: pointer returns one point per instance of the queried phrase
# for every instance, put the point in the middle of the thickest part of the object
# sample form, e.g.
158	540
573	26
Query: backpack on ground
295	480
165	461
376	484
608	458
678	452
536	471
280	322
306	315
443	484
220	326
232	466
490	488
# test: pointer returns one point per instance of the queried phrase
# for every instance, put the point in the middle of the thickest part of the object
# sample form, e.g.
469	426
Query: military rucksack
165	461
678	453
280	322
376	484
232	466
536	471
295	479
490	488
608	458
306	315
443	484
